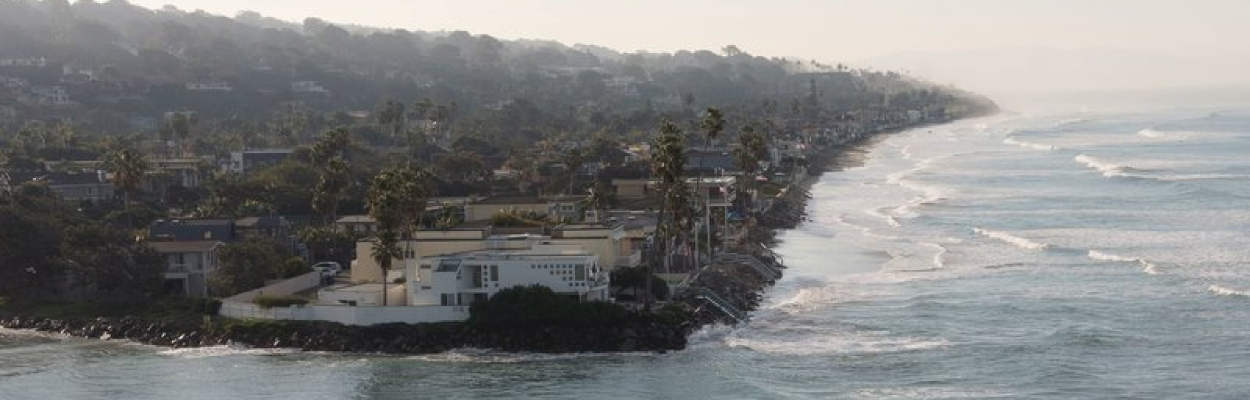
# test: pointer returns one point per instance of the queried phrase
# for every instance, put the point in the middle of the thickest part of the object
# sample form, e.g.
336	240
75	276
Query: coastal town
265	207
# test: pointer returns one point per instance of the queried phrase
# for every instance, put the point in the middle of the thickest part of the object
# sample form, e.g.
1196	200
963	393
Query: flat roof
198	246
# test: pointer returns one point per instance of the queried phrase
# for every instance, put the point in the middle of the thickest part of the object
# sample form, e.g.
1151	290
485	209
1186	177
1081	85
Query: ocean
1051	255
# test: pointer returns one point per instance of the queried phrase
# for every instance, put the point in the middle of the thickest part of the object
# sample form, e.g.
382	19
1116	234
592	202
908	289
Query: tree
391	117
247	265
334	178
127	167
750	151
713	124
396	201
667	165
573	161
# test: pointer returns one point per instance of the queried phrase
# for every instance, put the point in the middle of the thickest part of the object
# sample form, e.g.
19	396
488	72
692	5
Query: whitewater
1055	255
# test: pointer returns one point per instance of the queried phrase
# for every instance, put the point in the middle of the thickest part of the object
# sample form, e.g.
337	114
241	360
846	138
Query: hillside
120	68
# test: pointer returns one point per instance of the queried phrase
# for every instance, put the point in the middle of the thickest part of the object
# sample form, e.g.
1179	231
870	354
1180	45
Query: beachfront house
188	265
462	279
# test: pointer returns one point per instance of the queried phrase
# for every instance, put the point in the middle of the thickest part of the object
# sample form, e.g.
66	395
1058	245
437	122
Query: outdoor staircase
766	271
723	305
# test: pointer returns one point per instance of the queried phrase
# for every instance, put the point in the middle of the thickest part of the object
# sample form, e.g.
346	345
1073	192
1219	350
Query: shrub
279	301
538	305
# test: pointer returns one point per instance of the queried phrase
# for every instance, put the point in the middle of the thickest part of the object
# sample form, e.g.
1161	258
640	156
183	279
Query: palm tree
396	200
573	161
751	150
666	164
713	124
391	116
334	180
127	167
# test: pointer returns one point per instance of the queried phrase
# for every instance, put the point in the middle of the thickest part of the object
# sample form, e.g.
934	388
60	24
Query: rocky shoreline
639	335
736	284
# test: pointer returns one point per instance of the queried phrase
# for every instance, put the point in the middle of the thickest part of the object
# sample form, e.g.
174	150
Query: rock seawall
639	335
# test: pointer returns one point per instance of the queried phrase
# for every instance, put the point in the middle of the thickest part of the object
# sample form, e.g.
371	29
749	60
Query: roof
356	219
184	247
190	230
512	200
262	222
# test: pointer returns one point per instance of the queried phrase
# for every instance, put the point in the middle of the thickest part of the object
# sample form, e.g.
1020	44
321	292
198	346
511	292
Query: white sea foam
487	356
1108	169
1151	133
1223	291
1147	266
906	152
1012	239
1011	140
938	258
227	350
825	343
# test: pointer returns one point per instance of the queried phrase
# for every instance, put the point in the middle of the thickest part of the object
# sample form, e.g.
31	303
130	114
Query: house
209	86
466	278
268	227
50	96
191	230
360	224
184	172
188	265
606	240
710	161
308	87
91	186
560	207
242	162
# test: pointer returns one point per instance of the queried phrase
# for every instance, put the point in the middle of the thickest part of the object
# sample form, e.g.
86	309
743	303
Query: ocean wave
906	152
487	356
225	350
826	344
1012	239
938	258
1147	266
1011	140
1223	291
1108	169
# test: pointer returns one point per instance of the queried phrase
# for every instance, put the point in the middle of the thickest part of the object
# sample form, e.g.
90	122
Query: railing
182	267
765	271
723	305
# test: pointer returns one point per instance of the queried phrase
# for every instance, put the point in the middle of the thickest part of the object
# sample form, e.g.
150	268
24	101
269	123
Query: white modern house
466	278
188	264
439	288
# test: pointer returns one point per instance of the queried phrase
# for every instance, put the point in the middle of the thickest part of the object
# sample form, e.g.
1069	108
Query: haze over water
1059	255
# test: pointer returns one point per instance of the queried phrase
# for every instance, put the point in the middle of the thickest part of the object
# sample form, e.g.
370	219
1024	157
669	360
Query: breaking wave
1012	239
1147	266
1035	146
1223	291
1108	169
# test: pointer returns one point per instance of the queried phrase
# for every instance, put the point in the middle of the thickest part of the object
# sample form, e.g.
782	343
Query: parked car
328	269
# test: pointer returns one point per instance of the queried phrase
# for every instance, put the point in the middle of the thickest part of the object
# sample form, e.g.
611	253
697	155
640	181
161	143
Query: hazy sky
1064	44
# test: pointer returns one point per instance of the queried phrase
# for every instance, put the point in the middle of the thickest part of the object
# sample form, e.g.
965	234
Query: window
494	273
448	299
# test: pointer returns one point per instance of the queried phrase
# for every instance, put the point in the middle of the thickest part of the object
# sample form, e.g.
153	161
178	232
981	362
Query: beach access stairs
768	271
721	304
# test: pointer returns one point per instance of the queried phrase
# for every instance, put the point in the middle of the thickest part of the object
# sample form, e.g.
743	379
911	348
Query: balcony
182	268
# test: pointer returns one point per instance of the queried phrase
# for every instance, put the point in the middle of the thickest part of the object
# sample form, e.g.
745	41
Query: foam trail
1012	239
1151	133
1107	169
938	262
1147	266
1223	291
1035	146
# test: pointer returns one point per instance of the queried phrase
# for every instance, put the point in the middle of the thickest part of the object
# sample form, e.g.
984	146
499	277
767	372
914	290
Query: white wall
345	314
